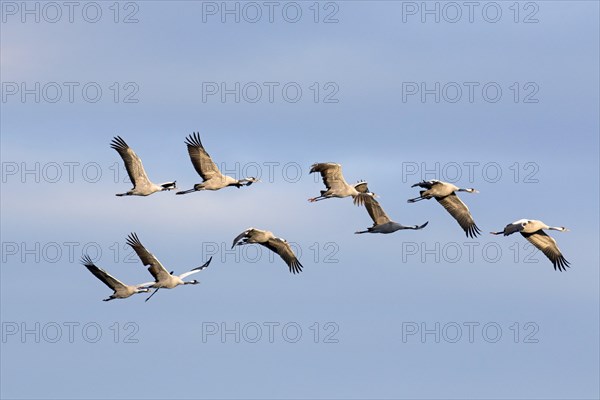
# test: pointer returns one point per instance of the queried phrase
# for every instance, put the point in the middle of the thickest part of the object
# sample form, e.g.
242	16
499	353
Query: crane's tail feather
153	293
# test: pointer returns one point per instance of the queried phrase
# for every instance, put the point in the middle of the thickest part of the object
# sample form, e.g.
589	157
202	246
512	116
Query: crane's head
194	282
469	190
249	181
169	185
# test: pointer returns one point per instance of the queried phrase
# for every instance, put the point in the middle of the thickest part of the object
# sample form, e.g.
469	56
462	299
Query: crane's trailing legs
416	199
153	293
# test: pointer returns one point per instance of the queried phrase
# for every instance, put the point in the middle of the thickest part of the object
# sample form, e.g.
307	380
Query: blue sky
533	153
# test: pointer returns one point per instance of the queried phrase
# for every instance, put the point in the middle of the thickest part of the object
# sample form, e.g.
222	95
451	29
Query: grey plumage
162	277
533	231
212	178
381	221
121	290
336	185
445	194
142	186
273	243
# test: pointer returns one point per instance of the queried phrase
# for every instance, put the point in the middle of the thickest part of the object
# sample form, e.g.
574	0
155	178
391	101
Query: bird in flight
275	244
162	278
533	231
121	290
212	178
336	185
133	164
381	222
445	194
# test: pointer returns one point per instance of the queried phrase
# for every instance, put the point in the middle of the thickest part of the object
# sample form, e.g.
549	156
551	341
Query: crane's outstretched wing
156	268
512	228
203	164
133	164
459	210
284	250
101	274
331	173
427	184
548	246
197	269
363	193
509	229
376	211
244	234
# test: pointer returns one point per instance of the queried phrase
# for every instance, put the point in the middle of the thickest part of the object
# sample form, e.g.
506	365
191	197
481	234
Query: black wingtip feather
561	263
87	261
205	265
193	140
422	184
133	239
118	143
472	231
295	267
